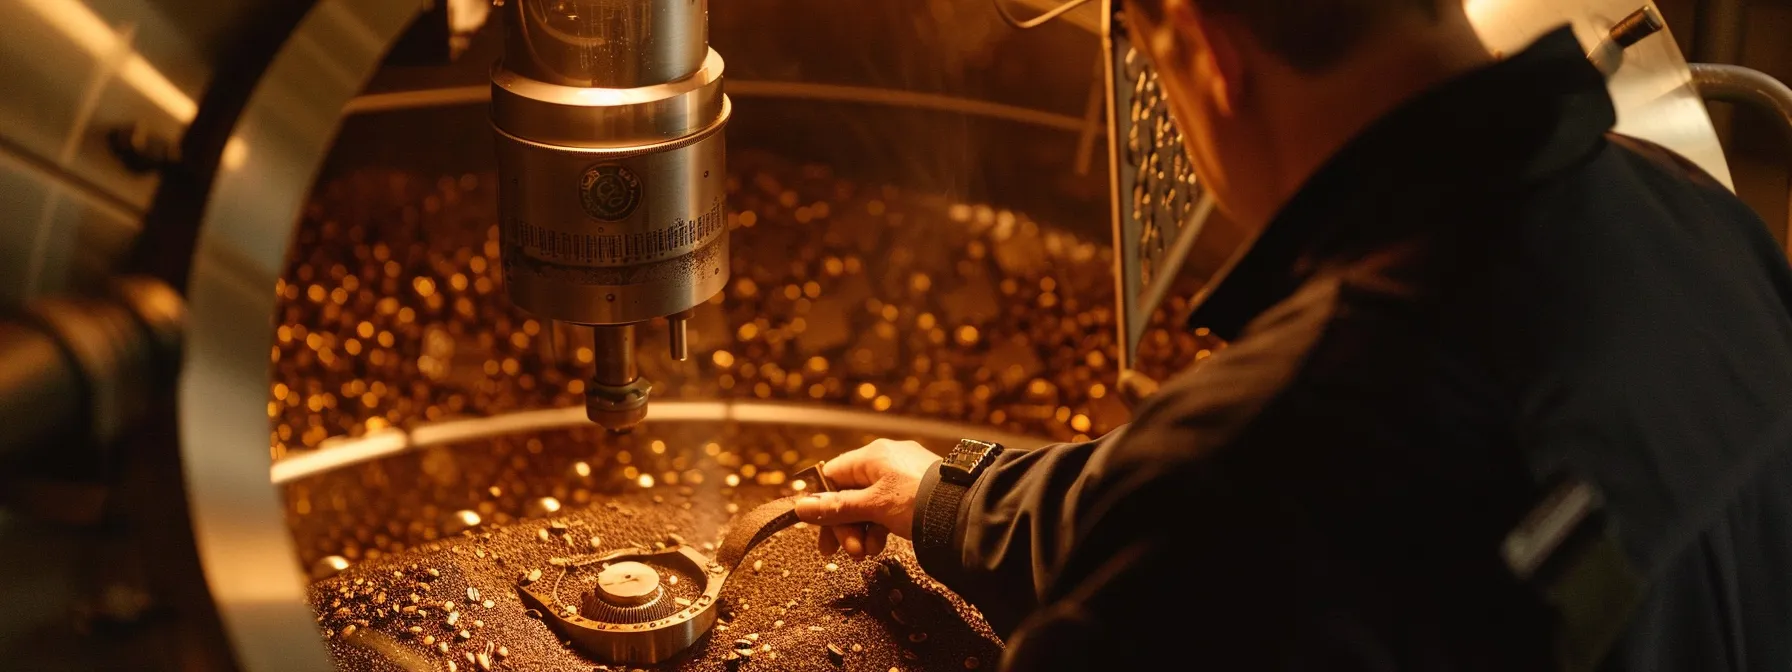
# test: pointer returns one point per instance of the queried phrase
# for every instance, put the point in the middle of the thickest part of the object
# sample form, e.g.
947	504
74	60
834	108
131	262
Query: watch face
968	458
964	461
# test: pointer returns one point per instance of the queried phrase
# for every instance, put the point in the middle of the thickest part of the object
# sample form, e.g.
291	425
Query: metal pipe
678	335
617	396
615	349
1719	25
1736	84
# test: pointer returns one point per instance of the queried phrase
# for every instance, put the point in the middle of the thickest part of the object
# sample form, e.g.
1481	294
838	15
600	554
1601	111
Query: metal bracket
1159	209
1608	55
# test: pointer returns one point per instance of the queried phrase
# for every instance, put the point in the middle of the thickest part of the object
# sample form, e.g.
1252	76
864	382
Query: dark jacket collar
1500	127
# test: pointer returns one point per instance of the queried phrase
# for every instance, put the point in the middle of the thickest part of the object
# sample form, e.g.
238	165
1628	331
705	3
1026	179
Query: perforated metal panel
1158	206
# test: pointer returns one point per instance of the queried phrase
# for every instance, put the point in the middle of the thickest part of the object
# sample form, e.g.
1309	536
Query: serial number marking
594	248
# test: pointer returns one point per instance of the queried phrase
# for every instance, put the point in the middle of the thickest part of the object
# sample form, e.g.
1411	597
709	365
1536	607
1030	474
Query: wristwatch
967	461
941	494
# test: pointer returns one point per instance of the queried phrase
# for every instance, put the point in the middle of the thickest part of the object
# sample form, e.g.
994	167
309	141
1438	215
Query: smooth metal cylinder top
612	44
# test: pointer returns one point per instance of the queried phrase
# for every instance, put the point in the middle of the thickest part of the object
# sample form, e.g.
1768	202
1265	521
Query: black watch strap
936	521
939	499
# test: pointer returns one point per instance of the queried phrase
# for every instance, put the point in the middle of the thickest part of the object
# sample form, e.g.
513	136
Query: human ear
1205	41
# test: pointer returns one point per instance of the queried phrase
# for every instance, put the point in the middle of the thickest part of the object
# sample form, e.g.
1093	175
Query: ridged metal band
646	643
615	152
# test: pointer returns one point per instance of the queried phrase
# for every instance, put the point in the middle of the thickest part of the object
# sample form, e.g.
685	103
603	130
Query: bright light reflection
81	26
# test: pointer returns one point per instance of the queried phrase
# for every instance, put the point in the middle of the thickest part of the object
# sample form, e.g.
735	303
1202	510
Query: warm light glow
967	335
1477	9
466	16
81	26
236	153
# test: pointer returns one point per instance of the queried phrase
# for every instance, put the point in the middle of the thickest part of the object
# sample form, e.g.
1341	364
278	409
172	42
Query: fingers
874	484
861	467
876	539
839	508
855	468
852	539
859	541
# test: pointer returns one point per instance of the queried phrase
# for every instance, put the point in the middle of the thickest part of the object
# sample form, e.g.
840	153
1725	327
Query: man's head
1265	90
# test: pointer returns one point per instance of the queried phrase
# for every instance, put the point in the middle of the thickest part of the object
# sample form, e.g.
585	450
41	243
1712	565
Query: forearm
997	542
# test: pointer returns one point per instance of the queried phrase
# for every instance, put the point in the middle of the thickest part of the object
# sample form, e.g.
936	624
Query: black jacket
1484	287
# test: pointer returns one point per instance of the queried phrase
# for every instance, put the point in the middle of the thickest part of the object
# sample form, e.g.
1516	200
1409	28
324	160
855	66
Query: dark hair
1310	34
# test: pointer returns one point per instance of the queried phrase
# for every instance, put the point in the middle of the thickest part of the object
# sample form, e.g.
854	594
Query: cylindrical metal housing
611	199
611	44
609	118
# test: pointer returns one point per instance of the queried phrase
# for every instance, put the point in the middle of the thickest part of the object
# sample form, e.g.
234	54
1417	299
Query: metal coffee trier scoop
648	606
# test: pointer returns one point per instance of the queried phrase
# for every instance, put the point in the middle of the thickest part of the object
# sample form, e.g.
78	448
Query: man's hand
876	485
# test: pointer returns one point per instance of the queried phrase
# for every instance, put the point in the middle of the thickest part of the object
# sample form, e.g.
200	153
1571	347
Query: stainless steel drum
919	240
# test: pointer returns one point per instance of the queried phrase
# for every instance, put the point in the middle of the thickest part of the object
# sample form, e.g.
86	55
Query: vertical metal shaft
676	327
614	347
617	395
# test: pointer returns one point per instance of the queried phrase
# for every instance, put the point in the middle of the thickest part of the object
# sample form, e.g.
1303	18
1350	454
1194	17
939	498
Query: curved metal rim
619	153
344	452
560	95
838	93
247	556
647	643
567	115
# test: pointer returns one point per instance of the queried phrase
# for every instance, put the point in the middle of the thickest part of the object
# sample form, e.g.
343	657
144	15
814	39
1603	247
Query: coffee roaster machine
159	155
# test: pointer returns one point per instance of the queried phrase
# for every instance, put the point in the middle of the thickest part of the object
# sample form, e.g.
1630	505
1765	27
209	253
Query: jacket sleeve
1297	503
1014	527
1031	512
1082	555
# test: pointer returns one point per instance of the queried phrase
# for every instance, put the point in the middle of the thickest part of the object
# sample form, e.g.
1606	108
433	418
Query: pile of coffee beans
454	600
392	315
392	312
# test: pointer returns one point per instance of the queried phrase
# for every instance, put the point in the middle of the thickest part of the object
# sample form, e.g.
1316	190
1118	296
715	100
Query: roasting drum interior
921	243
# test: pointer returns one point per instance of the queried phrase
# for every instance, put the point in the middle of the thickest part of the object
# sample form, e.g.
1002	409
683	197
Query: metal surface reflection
288	126
923	250
1653	92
